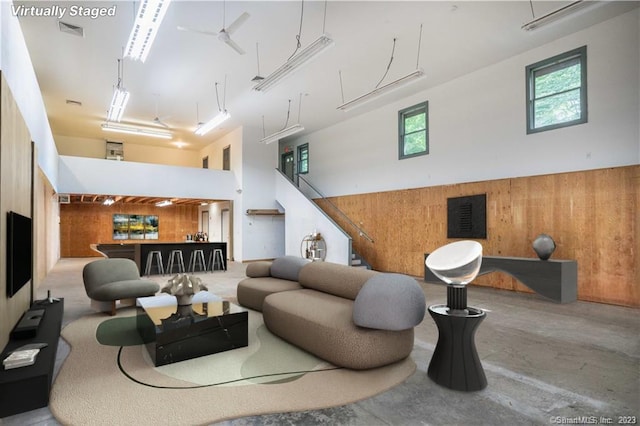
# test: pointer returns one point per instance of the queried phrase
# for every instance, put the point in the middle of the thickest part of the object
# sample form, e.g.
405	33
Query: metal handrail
361	231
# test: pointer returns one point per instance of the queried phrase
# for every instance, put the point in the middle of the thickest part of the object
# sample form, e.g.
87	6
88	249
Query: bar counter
138	252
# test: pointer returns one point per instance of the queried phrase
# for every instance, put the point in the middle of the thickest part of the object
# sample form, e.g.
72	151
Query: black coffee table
177	333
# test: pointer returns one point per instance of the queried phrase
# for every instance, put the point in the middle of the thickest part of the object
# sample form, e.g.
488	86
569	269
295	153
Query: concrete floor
545	363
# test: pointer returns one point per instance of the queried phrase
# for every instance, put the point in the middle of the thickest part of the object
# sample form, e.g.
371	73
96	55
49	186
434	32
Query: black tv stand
27	388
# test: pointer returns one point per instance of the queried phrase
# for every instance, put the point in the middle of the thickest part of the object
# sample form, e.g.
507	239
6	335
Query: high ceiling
177	81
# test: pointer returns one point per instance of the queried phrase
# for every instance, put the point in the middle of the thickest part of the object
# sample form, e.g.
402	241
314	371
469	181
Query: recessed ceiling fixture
145	28
119	99
220	118
386	88
164	203
560	13
297	59
140	131
285	131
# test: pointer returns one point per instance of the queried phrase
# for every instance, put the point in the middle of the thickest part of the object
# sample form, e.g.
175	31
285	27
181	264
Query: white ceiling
183	67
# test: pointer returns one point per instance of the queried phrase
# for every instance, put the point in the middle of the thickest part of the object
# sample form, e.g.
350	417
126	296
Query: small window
413	131
557	91
226	158
303	159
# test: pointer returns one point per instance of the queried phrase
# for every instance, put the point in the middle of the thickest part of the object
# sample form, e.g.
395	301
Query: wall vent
64	198
71	29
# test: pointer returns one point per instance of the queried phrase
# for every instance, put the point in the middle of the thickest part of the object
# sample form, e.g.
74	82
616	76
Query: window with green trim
303	159
413	131
557	91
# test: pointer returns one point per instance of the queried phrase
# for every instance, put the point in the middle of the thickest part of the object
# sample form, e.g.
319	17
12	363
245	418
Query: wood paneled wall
16	168
85	224
591	215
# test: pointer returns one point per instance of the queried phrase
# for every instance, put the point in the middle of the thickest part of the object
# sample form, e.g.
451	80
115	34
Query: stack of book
20	358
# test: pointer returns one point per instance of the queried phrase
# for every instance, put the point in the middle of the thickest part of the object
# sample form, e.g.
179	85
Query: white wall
215	219
96	148
262	236
79	175
16	66
478	128
304	217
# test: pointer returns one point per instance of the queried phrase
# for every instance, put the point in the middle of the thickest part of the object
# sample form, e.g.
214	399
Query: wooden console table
554	279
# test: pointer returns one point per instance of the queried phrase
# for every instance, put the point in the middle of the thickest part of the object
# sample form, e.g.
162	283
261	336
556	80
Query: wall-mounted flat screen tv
19	252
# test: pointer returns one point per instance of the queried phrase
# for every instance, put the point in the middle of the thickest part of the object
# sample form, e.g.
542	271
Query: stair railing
361	231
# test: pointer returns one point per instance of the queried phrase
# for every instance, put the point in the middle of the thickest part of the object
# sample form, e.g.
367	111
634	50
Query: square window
413	132
557	91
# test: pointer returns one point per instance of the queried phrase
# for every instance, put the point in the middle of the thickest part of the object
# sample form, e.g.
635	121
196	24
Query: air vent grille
71	29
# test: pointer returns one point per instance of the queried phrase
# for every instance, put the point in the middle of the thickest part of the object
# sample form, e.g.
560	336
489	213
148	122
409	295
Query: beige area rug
105	384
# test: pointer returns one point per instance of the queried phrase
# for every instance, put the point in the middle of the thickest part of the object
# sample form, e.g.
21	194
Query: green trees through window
557	91
303	159
413	133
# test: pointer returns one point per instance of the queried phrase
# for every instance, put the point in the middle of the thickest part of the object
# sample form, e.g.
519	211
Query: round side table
455	363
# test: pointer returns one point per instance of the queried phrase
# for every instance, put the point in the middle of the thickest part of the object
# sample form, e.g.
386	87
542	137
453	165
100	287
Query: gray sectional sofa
351	317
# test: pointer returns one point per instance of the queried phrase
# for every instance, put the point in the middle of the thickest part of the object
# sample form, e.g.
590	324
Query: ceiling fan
157	120
224	34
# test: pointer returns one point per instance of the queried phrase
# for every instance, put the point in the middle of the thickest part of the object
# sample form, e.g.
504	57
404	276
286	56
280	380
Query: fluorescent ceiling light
164	203
121	128
145	28
295	62
118	104
213	123
559	14
382	90
282	134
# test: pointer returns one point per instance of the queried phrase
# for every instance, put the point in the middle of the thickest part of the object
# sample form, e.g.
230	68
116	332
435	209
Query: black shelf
27	388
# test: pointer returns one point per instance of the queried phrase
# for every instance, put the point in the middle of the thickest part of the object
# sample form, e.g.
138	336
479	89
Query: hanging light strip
383	90
121	128
282	134
118	104
560	13
145	28
213	123
295	62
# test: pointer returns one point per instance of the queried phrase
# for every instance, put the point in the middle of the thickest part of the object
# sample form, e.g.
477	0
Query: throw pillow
389	302
287	267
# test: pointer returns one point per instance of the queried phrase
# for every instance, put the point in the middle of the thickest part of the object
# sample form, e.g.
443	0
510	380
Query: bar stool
157	256
216	259
175	259
197	256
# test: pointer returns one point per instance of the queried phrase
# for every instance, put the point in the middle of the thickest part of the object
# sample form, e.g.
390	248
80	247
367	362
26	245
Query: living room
577	184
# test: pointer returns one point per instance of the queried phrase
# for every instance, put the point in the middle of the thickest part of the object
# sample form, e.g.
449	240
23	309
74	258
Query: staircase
358	262
308	215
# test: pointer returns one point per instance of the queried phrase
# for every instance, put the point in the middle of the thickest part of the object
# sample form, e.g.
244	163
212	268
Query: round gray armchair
109	280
